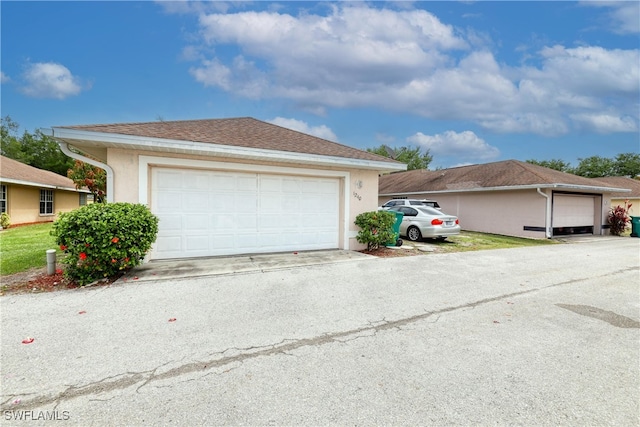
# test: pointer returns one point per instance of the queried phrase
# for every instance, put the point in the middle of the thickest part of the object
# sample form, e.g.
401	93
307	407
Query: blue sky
473	82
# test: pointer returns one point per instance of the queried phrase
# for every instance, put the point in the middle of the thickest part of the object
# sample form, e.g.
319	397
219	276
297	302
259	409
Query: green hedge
376	228
101	240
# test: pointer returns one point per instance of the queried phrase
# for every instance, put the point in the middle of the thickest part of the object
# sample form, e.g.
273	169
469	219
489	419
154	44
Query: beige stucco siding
359	188
634	210
23	204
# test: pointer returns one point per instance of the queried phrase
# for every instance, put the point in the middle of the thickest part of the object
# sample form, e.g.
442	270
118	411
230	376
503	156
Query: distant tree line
414	158
43	152
624	164
33	149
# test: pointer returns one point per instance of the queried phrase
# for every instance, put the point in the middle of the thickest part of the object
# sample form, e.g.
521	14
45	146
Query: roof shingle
240	132
506	173
622	182
15	170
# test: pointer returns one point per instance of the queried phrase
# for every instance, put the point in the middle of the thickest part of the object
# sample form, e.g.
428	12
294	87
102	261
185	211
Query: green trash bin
635	226
396	229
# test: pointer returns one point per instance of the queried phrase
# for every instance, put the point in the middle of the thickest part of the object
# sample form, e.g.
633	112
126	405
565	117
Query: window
83	199
46	202
3	198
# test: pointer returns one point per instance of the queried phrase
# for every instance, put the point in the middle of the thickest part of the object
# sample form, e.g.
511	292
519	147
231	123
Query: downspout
64	146
547	214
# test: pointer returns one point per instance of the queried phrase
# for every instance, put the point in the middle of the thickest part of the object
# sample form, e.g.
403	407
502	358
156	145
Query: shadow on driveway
216	266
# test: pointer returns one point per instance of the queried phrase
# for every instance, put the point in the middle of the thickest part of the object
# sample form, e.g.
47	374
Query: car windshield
429	211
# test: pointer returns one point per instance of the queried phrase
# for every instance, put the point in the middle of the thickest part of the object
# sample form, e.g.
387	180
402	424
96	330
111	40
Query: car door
409	215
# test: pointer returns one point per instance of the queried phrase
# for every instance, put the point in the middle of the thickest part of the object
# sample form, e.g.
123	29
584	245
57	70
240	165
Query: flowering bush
619	218
376	228
5	220
102	240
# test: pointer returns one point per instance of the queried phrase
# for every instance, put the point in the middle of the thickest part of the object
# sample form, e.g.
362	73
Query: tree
85	175
627	164
412	157
557	164
595	167
37	149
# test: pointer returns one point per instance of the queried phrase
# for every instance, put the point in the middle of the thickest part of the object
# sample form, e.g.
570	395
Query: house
233	186
29	195
510	197
619	198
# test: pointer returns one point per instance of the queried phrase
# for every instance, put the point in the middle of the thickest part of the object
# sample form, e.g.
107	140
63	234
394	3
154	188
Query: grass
473	241
22	248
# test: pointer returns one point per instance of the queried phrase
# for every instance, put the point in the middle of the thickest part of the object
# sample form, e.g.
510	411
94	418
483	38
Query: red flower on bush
82	256
115	240
113	260
63	248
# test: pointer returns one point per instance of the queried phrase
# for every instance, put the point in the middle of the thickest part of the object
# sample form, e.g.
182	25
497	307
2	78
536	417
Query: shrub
619	218
5	220
376	228
102	240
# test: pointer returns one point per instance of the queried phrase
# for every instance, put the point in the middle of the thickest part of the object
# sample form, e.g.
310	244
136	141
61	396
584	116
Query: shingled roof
622	182
504	174
238	132
13	171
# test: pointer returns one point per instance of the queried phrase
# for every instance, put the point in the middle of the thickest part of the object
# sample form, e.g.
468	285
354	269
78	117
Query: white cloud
4	78
464	145
624	16
50	80
321	131
605	123
410	62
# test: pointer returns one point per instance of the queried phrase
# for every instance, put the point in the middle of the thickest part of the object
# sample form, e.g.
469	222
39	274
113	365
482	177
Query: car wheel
413	233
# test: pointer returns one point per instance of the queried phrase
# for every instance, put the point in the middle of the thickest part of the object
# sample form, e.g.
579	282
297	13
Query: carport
511	197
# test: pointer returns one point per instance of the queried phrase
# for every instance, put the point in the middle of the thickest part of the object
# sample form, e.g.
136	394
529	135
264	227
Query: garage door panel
573	211
167	180
195	201
197	243
246	183
196	222
168	244
208	213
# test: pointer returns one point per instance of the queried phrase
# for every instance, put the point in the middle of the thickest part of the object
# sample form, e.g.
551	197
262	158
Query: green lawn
473	241
25	247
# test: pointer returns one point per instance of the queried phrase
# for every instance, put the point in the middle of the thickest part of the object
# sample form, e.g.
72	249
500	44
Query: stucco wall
23	204
634	210
360	193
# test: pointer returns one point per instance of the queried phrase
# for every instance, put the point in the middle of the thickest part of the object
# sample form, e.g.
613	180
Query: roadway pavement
530	336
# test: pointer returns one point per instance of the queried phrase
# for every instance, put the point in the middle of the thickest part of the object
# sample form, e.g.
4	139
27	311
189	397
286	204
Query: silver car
425	222
410	202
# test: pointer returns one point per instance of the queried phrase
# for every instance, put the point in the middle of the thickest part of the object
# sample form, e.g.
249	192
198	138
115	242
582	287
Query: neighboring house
31	195
510	197
619	198
234	186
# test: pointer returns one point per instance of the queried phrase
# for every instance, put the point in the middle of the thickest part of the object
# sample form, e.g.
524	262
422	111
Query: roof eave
79	137
40	185
587	188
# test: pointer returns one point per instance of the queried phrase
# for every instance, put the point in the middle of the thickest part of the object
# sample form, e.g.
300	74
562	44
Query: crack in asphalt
128	379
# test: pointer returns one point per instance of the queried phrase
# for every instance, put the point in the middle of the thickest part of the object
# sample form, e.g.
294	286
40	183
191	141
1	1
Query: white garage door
209	213
573	211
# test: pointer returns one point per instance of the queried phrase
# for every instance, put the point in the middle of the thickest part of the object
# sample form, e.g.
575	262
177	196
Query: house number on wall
358	185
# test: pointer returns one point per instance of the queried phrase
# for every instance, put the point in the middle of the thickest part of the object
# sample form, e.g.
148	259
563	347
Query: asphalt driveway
531	336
